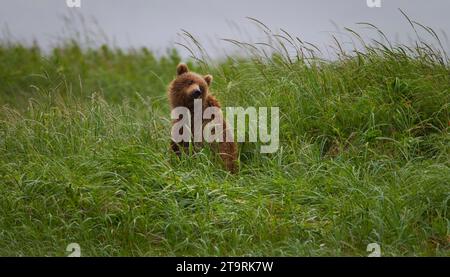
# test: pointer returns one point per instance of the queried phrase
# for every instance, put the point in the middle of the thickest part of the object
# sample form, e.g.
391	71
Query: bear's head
188	86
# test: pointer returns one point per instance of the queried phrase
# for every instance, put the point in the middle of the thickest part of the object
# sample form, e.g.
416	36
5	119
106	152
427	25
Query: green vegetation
364	154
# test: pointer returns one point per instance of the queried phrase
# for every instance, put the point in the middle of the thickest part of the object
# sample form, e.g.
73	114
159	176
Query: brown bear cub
183	90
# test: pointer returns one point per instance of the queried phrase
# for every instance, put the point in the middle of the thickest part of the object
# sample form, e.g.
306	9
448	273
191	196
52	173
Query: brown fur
180	93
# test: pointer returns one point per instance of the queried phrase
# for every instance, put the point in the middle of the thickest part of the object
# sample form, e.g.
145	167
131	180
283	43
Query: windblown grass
364	153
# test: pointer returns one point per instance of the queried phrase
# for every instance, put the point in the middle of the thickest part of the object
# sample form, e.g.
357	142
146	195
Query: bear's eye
190	82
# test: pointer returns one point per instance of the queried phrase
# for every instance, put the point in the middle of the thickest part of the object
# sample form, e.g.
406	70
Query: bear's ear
208	78
182	68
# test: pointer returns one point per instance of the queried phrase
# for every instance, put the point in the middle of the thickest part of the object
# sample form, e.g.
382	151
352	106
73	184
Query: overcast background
157	24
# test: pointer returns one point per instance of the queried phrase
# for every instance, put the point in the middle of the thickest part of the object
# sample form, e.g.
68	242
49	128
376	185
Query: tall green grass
364	153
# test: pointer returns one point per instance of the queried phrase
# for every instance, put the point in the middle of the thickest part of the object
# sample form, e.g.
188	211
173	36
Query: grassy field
364	154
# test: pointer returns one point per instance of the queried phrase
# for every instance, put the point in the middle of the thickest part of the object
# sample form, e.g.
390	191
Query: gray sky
156	24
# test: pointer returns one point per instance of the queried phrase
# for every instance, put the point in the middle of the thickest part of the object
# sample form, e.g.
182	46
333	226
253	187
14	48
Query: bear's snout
197	93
